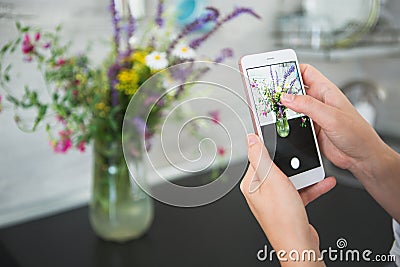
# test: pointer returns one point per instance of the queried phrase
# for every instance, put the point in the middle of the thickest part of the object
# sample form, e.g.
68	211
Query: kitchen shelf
361	52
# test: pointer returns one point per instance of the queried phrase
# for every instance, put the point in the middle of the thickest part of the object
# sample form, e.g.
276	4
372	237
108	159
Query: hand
344	137
347	140
278	206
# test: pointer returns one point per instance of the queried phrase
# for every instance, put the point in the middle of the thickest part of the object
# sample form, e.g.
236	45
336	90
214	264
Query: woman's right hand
345	138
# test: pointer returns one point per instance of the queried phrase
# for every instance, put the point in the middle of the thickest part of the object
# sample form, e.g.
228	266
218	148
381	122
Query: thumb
319	112
263	165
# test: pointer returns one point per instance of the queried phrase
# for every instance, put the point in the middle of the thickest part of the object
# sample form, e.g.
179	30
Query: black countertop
223	233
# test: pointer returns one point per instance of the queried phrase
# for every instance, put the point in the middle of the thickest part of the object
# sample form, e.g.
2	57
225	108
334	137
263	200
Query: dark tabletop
223	233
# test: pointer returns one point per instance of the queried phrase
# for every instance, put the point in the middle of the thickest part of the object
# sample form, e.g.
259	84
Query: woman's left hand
278	207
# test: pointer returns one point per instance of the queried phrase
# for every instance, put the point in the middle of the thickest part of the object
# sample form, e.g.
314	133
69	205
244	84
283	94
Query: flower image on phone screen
296	151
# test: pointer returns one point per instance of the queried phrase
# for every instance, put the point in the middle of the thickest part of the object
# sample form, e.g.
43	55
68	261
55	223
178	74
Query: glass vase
282	126
119	209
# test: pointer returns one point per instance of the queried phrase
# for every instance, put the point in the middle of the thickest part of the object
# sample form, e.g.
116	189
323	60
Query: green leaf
25	29
18	25
5	48
42	110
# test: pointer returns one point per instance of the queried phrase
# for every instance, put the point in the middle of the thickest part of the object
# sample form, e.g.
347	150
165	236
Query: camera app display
296	150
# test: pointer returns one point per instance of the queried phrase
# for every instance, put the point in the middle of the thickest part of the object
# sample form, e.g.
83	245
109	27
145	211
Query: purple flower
287	74
272	76
291	85
235	13
115	21
140	125
130	30
182	72
46	45
225	53
212	14
280	111
160	10
112	77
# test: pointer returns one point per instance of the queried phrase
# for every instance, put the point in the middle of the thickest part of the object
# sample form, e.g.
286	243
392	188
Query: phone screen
296	150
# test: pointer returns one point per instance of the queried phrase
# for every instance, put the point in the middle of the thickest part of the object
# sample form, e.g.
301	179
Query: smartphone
290	135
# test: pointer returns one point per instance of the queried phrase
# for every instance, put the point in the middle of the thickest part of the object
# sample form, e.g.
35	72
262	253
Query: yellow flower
139	56
100	106
127	81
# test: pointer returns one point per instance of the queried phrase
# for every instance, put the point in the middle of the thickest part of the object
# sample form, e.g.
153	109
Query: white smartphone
287	133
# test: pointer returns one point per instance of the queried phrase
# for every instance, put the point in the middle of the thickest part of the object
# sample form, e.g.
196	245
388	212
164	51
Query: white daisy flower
156	60
183	51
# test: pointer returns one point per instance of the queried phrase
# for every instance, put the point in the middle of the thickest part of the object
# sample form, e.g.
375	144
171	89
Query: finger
313	192
249	177
263	165
324	115
322	88
318	84
317	128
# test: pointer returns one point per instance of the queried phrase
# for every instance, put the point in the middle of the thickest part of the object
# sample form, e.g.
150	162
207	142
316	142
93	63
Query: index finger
322	88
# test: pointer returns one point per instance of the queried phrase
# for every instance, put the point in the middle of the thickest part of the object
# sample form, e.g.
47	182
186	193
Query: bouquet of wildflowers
270	96
88	101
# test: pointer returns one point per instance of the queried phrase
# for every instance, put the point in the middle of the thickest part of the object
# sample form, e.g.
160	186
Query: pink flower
61	119
37	36
214	116
60	62
27	46
62	146
81	146
221	151
65	133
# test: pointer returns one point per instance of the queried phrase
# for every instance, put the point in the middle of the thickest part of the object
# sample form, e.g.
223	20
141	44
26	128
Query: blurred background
358	49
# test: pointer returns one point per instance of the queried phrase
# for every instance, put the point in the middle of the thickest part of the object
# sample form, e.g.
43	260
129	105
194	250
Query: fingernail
287	97
252	139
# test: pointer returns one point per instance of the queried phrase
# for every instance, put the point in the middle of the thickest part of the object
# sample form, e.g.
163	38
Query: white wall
34	181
